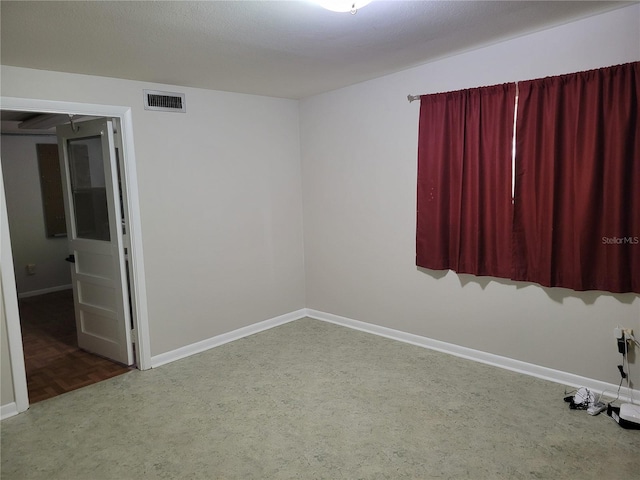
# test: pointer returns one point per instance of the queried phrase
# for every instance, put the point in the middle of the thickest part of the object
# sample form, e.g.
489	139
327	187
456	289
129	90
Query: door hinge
134	335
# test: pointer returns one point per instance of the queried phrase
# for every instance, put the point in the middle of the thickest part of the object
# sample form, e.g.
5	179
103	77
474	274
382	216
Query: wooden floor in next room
53	361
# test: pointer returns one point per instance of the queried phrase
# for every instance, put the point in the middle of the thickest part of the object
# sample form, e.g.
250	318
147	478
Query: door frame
136	261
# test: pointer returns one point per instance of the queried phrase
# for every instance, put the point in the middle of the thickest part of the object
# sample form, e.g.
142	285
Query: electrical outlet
31	268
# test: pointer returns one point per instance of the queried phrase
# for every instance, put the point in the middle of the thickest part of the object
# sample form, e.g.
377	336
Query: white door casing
136	255
96	244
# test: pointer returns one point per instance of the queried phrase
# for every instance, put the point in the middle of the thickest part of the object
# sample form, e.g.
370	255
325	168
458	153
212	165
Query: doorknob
71	259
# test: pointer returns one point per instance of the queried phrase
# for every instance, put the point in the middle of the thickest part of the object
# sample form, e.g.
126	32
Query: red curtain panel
464	204
577	197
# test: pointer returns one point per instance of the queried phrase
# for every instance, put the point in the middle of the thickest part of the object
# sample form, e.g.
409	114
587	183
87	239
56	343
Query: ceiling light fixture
343	5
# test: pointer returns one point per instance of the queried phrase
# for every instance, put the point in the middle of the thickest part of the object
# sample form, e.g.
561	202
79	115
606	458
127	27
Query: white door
94	231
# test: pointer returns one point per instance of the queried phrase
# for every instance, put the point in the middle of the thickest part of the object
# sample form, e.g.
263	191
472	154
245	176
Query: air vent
164	101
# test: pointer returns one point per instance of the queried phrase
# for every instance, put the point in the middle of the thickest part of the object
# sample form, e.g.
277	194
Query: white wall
26	217
221	207
359	150
220	202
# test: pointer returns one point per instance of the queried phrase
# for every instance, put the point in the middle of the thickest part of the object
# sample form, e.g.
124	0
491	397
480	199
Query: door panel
94	225
94	263
96	295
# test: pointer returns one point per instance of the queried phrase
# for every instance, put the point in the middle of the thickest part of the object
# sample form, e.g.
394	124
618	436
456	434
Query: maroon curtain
464	209
577	199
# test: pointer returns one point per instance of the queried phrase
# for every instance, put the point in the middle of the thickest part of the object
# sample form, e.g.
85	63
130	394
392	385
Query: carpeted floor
312	400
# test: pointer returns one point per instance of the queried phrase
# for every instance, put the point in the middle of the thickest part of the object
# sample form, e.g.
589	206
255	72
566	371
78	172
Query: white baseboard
44	291
218	340
545	373
8	410
557	376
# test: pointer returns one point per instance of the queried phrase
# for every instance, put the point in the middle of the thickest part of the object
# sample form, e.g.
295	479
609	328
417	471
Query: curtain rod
412	98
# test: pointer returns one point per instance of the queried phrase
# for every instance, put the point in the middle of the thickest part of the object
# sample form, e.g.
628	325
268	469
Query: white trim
143	340
218	340
556	376
11	312
518	366
44	291
143	351
8	410
51	106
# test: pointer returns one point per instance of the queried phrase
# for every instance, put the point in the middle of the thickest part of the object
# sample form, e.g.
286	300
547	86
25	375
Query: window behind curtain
577	197
464	211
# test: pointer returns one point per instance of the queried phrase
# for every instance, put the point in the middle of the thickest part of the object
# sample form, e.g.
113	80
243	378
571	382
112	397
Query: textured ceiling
290	49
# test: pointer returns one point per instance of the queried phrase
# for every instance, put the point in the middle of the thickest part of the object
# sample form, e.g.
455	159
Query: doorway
138	294
55	361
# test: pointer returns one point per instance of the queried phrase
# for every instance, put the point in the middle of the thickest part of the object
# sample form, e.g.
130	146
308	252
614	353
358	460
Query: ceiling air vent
164	101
